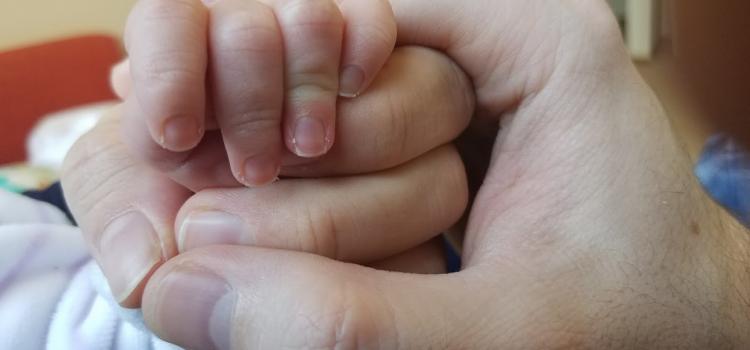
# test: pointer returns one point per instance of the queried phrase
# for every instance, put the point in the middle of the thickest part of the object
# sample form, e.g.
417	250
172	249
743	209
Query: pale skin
589	230
156	219
266	73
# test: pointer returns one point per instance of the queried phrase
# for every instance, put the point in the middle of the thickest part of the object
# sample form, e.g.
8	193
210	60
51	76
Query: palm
587	189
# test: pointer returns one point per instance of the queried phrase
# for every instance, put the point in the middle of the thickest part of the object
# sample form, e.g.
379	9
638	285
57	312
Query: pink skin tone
134	229
267	74
588	231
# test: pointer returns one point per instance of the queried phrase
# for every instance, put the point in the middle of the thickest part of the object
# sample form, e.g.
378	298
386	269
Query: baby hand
267	74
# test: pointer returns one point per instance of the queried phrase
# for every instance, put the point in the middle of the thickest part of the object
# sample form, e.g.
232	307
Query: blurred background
35	21
55	56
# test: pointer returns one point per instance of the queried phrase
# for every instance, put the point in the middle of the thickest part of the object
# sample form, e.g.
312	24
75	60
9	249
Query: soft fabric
724	171
22	177
52	295
55	134
54	196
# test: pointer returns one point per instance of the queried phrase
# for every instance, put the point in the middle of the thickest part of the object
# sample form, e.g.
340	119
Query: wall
619	7
24	22
711	45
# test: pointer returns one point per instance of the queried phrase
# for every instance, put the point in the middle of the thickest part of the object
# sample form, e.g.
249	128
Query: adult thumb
232	297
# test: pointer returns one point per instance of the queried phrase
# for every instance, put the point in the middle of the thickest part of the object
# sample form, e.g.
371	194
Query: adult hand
395	135
588	231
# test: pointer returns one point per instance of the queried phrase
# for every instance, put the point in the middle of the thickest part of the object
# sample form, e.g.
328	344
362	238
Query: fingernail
260	170
310	138
180	134
350	83
195	308
207	228
129	249
209	2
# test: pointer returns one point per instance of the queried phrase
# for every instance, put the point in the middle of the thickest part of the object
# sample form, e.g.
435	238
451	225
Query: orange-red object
37	80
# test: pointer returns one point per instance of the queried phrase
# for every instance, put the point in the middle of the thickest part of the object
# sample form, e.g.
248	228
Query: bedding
47	146
21	177
55	134
52	295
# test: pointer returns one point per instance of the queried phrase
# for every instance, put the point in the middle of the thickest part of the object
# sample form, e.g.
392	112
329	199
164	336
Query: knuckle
306	86
455	189
92	169
88	151
148	13
320	23
344	317
462	93
446	83
316	231
252	122
392	141
169	68
314	81
161	10
311	14
379	37
242	32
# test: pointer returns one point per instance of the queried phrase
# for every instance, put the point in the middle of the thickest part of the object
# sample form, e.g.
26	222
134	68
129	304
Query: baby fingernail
260	170
310	138
207	228
180	134
351	81
129	249
196	306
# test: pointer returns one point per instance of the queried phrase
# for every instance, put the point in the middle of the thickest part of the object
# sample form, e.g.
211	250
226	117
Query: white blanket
52	295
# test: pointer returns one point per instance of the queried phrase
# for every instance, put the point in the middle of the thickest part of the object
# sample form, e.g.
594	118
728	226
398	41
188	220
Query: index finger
167	44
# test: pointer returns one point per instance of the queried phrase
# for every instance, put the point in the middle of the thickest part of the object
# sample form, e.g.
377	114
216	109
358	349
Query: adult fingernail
195	309
310	138
350	83
180	134
129	248
207	228
260	170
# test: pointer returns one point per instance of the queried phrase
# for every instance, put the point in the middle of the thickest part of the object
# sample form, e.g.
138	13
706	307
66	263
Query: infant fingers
369	39
166	41
323	48
313	32
247	82
400	118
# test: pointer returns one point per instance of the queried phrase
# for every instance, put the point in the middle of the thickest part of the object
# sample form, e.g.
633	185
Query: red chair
37	80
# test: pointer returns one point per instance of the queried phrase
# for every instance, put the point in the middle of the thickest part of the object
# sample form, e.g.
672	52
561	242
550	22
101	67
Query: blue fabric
452	258
52	195
724	171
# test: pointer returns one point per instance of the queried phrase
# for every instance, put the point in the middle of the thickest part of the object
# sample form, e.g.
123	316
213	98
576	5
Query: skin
588	230
134	227
215	65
